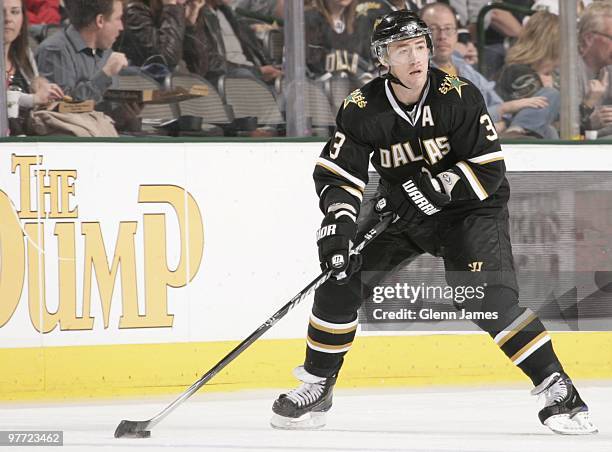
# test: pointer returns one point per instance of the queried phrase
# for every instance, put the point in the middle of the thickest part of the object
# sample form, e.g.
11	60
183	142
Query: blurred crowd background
218	67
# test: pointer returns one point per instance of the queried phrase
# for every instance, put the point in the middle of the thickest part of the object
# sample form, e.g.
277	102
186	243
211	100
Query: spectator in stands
466	48
270	8
367	11
594	67
227	47
500	26
80	59
531	69
41	12
442	21
333	41
467	13
379	8
41	15
552	6
261	15
157	28
21	71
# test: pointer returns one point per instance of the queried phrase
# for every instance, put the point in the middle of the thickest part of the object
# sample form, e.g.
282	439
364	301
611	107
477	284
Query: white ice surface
483	420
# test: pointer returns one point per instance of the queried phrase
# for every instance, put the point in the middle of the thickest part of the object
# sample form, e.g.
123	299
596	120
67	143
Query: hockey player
429	136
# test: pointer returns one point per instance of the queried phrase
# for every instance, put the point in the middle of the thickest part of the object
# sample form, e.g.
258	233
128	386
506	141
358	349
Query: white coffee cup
590	134
12	103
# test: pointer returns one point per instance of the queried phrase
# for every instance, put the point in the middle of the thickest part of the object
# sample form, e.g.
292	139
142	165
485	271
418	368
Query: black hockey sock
327	343
527	343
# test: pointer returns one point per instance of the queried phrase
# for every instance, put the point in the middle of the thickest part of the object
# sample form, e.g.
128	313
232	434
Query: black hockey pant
476	250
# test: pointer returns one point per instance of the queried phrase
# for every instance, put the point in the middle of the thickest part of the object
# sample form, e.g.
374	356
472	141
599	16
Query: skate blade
308	421
579	424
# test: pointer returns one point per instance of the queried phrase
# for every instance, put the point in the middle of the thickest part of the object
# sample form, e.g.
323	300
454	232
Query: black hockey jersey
330	51
448	131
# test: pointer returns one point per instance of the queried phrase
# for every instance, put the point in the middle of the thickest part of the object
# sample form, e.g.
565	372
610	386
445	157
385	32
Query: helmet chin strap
392	78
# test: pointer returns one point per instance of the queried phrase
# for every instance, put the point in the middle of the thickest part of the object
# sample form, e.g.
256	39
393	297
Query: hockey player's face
409	60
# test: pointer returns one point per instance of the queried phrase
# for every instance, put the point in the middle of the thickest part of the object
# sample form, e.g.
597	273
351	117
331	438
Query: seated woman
334	41
531	70
157	28
21	71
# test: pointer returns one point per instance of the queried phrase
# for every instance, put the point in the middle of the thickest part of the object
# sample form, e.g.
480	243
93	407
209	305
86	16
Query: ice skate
305	407
564	411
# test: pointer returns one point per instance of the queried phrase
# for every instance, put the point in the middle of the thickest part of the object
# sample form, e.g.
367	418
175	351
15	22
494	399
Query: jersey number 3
486	120
339	138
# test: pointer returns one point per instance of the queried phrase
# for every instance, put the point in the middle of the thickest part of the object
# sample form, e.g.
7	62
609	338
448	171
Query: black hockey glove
419	196
335	240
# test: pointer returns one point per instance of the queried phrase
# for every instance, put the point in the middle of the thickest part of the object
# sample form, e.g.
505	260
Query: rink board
388	361
150	261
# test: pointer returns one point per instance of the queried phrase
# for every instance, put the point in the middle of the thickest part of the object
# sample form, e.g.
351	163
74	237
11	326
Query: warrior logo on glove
419	199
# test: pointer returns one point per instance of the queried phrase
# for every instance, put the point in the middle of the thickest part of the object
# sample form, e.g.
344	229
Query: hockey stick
142	429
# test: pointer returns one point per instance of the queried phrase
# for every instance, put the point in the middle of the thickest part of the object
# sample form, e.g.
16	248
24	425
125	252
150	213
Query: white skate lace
557	392
307	393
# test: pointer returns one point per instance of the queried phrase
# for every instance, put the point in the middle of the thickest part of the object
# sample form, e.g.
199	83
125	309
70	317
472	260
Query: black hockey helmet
397	26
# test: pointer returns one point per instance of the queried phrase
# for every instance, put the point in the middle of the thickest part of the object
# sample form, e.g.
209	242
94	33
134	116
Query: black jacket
145	36
207	56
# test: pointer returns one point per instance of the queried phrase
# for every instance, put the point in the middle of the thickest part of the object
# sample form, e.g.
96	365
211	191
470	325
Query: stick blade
132	429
